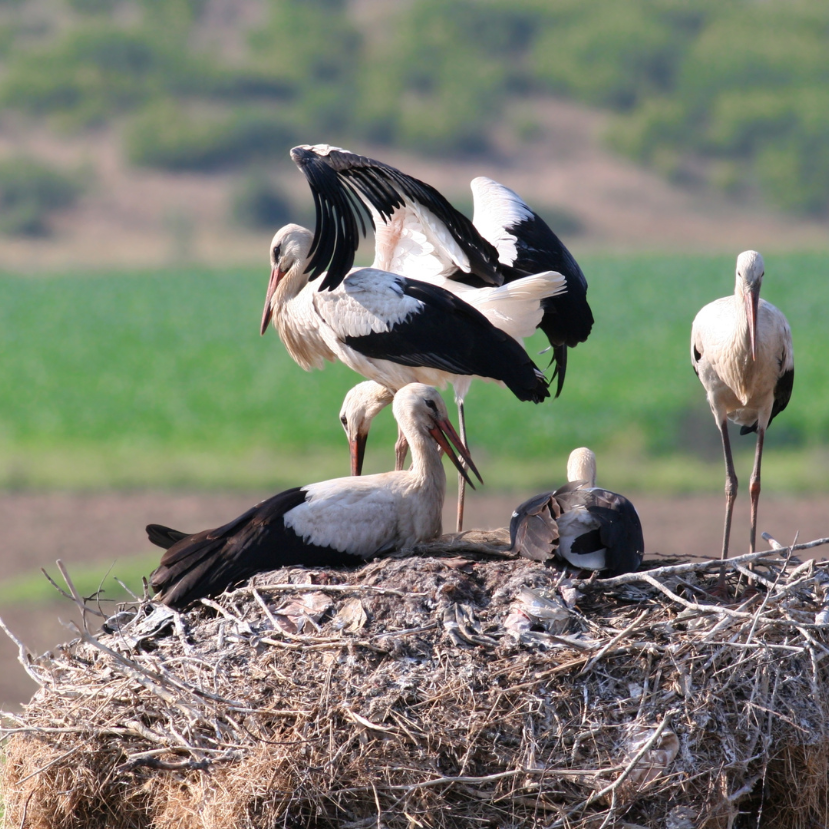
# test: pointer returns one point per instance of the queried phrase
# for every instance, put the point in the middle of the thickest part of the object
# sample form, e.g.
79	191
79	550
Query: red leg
754	487
730	486
461	480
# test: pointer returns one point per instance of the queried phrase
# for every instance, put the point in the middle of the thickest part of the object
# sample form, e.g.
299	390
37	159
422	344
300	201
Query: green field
161	379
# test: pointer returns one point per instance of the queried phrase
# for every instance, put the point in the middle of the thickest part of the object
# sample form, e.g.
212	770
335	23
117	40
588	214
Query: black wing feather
208	562
533	529
568	319
163	536
620	531
450	335
782	395
333	179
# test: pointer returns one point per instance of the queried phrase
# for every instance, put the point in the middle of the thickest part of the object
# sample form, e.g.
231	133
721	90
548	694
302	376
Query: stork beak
442	430
358	453
267	313
752	301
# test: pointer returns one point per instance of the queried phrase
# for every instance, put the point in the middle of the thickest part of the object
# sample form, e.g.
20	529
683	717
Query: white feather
496	210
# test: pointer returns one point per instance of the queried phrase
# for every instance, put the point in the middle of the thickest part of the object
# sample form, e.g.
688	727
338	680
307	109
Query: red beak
752	301
267	313
358	452
442	430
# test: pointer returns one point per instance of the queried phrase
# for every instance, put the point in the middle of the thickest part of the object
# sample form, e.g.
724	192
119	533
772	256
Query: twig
694	566
76	597
23	656
615	640
628	770
332	588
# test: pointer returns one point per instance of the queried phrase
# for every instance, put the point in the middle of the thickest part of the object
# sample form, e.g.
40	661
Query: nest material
442	691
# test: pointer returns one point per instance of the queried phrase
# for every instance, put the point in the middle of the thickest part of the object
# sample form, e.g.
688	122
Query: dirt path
38	528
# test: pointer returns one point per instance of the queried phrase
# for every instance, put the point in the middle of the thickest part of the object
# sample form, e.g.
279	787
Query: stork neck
427	467
291	284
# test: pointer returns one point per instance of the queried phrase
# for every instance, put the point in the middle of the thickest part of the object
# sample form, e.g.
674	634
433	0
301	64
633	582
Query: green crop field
161	379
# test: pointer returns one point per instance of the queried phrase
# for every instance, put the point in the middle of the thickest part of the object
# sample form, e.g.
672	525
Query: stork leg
754	487
730	485
401	449
461	480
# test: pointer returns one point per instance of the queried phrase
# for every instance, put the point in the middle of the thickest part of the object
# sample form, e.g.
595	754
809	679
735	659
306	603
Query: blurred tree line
728	92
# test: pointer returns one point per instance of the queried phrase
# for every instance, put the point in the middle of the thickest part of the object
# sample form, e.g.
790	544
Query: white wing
354	515
368	301
497	208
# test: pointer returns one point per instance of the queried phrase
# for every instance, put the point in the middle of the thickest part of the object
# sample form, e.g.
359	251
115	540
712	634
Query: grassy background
161	379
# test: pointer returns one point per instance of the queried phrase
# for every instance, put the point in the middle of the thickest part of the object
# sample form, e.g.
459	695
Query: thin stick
694	566
628	770
332	588
76	597
23	655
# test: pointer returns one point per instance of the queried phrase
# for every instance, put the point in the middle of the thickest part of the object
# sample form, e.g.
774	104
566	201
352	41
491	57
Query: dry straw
455	688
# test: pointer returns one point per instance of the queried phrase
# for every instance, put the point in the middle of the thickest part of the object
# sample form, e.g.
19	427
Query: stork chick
584	525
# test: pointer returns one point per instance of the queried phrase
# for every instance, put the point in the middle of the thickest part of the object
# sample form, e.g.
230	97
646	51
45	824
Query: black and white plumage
741	350
419	234
585	525
389	328
341	522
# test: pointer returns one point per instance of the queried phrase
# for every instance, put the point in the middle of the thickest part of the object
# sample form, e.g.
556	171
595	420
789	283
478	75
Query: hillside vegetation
731	93
162	379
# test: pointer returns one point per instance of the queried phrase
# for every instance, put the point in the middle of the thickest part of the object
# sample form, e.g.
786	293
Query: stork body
585	525
389	328
340	522
419	234
741	350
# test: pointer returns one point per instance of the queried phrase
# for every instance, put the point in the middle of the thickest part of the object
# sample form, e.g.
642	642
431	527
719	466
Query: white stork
585	525
392	329
361	405
341	522
420	235
741	350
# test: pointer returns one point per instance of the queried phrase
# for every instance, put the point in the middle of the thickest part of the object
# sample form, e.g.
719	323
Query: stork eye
432	405
344	420
276	252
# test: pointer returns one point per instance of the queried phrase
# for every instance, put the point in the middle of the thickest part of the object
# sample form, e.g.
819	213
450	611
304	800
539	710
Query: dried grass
450	689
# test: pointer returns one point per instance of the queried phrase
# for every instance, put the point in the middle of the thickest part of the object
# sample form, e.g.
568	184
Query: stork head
750	270
290	248
581	466
420	408
361	405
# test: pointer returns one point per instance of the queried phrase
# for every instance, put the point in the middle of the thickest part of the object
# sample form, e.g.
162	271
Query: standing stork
392	329
341	522
419	234
741	350
583	524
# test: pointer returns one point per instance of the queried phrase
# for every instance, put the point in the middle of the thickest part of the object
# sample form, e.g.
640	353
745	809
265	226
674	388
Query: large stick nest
450	689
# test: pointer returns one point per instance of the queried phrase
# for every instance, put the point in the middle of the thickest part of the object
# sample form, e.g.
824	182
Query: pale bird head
581	466
289	247
361	405
420	408
750	270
